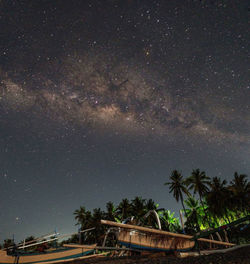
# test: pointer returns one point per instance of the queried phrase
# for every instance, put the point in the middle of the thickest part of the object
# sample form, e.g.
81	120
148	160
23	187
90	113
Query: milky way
104	91
98	97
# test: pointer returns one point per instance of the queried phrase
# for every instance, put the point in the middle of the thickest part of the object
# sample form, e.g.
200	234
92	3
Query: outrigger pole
100	248
39	241
25	244
207	233
19	245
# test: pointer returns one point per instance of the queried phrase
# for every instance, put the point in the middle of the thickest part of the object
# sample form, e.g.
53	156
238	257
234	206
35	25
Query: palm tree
124	209
240	188
218	198
80	216
199	182
138	207
168	221
194	213
84	219
178	187
149	218
98	235
110	214
150	205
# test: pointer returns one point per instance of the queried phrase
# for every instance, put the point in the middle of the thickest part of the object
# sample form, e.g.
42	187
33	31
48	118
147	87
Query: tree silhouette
124	209
110	211
178	187
199	183
194	213
240	189
138	207
218	198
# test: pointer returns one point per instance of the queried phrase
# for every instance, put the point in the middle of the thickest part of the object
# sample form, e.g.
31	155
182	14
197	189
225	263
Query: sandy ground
238	256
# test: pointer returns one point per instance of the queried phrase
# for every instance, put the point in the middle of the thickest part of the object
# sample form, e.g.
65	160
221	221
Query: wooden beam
71	234
79	246
99	248
144	229
38	243
75	259
216	242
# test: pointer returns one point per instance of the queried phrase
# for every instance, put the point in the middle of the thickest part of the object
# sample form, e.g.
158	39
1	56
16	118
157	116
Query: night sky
101	100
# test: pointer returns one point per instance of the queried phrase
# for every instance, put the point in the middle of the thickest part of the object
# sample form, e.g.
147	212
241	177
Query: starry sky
101	100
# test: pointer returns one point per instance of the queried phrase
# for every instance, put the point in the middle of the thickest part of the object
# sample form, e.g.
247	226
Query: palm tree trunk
206	217
183	207
197	224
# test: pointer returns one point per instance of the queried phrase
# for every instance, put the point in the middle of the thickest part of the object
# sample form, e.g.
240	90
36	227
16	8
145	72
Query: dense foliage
213	202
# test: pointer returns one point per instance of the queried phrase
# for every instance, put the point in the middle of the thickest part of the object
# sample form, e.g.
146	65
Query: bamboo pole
216	242
99	248
38	243
145	229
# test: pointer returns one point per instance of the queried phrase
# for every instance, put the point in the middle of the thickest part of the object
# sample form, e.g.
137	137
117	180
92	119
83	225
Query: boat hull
153	242
56	255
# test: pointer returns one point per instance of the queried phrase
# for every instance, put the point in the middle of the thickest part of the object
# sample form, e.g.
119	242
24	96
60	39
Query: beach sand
237	256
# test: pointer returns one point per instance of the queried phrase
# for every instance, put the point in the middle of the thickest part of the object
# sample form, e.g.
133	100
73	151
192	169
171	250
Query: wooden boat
148	239
54	256
16	253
